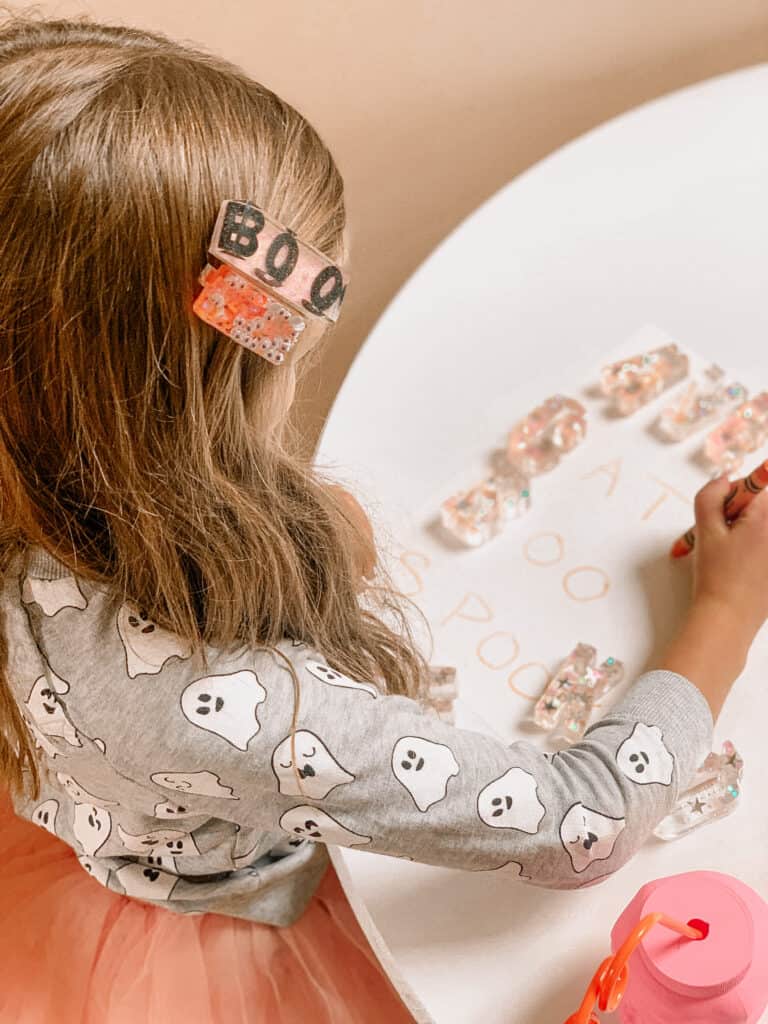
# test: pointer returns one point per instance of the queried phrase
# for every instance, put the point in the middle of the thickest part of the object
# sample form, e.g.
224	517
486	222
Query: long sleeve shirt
189	786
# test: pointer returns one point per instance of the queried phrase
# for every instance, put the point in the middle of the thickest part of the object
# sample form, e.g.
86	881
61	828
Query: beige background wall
430	107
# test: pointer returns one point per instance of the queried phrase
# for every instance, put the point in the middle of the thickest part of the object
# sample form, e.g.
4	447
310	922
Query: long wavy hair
137	444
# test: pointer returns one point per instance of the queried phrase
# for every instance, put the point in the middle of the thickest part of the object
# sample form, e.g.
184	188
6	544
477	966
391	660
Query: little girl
198	691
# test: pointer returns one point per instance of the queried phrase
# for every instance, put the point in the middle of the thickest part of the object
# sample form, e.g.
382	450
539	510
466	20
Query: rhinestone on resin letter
743	432
630	383
714	794
566	703
698	404
536	443
477	515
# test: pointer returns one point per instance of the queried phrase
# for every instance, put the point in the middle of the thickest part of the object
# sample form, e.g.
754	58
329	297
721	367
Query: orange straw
610	979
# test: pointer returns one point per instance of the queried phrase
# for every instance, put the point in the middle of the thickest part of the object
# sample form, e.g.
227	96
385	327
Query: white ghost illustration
511	801
334	678
424	768
165	840
91	827
146	881
170	811
318	770
47	711
45	815
160	860
226	706
643	758
41	741
243	860
53	595
511	867
95	867
78	793
147	645
311	823
200	783
588	835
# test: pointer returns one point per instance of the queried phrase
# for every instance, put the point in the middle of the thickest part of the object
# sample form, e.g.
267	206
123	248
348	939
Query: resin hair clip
698	404
714	794
246	314
442	691
743	432
268	283
631	383
479	514
568	698
556	426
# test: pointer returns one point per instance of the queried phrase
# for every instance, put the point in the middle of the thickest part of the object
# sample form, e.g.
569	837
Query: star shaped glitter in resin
713	794
481	513
566	703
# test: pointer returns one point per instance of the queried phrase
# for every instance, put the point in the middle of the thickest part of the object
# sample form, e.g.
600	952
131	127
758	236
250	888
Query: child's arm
375	772
730	595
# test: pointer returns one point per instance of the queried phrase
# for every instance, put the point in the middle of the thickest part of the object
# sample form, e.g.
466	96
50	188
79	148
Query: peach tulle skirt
71	952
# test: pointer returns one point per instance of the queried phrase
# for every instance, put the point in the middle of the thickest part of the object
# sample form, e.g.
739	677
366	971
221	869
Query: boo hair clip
264	282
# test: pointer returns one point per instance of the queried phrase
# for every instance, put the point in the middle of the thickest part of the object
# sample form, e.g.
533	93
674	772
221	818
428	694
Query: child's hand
731	562
730	595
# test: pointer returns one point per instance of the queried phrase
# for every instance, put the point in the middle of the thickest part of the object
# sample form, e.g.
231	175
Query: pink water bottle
720	979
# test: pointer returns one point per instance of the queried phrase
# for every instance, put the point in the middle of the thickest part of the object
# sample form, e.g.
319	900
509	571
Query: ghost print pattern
305	822
170	841
424	769
198	783
53	595
314	771
44	815
146	881
92	826
147	646
511	801
45	708
333	678
226	705
588	835
643	758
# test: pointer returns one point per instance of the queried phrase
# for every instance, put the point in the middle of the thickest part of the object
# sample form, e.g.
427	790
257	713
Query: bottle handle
610	979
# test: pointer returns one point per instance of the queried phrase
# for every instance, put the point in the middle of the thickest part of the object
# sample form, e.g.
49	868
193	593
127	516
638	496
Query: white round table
658	216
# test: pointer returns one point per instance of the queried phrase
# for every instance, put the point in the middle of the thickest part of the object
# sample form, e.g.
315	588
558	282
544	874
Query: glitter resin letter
477	515
698	404
536	443
713	794
743	432
631	383
566	703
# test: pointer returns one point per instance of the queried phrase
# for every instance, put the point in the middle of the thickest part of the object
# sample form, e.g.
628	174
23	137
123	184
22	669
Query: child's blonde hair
133	438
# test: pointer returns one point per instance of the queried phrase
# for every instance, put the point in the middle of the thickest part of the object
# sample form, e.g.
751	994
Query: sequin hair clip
265	282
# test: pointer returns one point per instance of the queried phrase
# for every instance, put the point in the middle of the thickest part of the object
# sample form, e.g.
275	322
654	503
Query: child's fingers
708	505
755	514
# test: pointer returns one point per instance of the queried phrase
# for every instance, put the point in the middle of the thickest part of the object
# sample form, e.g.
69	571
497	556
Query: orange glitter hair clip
265	282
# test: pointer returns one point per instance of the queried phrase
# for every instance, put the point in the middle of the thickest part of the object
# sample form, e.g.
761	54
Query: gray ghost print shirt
186	786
